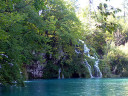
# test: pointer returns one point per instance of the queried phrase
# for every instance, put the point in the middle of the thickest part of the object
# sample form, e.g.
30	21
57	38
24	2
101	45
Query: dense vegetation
39	37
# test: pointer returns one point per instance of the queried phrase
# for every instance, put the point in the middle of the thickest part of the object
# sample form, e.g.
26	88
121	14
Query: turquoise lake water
70	87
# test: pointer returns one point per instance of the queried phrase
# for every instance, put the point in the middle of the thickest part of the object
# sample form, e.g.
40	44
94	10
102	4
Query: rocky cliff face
51	64
35	69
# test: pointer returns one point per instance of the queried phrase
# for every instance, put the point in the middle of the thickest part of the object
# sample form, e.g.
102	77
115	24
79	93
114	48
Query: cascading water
62	76
98	74
59	73
89	68
86	51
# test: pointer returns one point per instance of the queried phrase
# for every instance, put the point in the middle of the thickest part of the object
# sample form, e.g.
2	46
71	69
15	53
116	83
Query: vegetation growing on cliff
39	37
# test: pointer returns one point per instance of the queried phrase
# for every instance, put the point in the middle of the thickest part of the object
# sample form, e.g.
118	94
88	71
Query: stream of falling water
59	76
59	71
96	65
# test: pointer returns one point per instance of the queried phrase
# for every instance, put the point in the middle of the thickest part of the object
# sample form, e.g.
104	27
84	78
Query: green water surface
69	87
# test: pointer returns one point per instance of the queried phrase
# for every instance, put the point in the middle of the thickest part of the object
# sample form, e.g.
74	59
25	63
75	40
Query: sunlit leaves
106	12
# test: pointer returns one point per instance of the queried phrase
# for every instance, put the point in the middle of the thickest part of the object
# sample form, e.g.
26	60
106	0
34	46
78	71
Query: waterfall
4	55
86	51
62	76
89	68
59	76
99	74
59	71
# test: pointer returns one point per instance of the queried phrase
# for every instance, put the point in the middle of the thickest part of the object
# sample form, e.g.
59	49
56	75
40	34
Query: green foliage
20	35
118	61
75	68
10	73
23	31
104	13
105	68
56	33
97	41
63	30
50	71
115	62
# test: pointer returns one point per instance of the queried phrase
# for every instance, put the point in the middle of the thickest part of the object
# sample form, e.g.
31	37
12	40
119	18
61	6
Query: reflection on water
70	87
